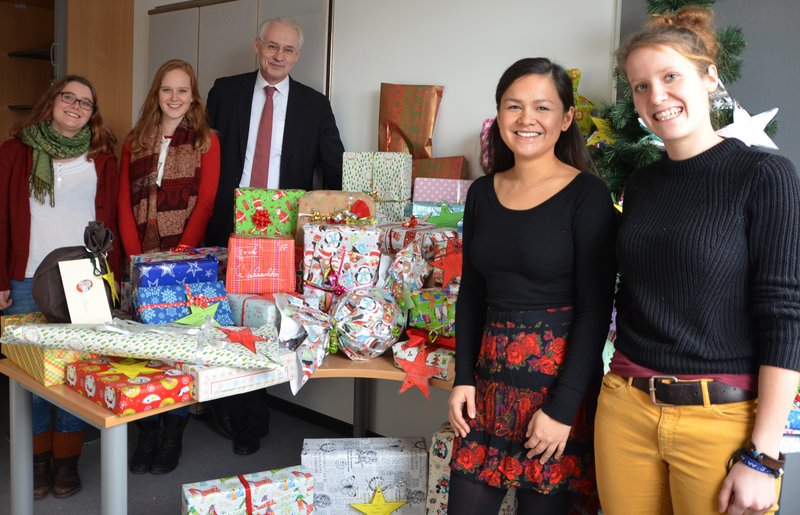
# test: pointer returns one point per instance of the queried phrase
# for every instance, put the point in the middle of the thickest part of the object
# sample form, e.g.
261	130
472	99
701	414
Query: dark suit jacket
310	140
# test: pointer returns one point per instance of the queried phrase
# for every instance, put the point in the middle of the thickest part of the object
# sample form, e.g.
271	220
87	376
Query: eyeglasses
70	98
272	48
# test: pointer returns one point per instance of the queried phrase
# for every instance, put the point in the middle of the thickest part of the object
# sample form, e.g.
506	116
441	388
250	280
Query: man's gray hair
262	29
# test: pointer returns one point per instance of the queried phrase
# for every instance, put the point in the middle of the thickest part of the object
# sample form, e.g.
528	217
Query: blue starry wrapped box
183	303
166	272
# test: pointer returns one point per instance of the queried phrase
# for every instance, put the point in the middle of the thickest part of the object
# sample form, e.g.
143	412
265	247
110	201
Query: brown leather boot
41	475
66	480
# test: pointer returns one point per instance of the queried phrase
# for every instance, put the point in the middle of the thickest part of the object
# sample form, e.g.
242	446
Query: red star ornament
418	373
450	263
243	336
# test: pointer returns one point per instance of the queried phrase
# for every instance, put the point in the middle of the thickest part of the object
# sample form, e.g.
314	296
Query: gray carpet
206	455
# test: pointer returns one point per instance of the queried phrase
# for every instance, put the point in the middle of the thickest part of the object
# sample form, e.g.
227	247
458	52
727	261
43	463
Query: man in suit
304	135
274	132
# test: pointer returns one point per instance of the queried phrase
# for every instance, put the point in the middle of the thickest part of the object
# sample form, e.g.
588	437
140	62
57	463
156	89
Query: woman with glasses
57	173
168	181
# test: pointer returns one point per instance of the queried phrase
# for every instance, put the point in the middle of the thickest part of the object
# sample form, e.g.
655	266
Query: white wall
464	46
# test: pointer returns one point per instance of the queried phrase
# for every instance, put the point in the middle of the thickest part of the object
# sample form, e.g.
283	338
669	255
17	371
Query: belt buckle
651	384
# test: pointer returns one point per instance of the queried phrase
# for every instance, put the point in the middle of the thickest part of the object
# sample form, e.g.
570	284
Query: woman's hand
5	299
747	491
460	396
546	436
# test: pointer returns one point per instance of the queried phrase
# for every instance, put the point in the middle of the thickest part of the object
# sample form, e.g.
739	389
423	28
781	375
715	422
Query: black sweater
709	252
558	253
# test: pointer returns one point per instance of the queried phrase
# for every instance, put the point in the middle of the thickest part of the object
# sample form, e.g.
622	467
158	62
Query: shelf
42	54
19	107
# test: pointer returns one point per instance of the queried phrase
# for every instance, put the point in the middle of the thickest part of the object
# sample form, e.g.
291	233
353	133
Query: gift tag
86	294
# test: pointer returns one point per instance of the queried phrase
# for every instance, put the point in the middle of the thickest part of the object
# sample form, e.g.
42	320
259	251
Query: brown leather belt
669	391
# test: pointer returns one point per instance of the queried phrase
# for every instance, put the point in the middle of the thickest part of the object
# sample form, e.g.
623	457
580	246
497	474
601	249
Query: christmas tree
624	144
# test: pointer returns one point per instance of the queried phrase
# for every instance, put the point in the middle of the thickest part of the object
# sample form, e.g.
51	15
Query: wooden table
114	429
113	438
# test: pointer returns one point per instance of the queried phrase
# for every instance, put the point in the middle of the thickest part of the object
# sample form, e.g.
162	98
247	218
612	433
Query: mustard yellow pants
655	460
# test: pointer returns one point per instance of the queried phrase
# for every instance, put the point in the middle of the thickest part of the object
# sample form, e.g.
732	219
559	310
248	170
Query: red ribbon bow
429	337
261	219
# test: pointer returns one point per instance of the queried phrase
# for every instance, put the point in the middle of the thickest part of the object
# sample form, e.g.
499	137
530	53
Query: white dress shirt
279	100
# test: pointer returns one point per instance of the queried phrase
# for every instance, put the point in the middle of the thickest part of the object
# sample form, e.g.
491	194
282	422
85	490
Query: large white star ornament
750	129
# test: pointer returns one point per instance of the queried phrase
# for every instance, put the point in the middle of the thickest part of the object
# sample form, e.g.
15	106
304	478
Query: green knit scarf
47	145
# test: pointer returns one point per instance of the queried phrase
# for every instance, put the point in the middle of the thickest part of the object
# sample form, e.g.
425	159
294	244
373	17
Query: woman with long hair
534	305
168	181
708	315
57	173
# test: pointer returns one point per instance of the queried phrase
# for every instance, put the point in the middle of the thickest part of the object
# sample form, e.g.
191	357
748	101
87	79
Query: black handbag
47	289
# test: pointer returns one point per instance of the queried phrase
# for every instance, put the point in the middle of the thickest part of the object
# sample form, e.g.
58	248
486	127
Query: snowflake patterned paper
167	304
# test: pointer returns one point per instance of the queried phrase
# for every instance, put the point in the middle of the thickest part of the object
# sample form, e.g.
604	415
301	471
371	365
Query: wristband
765	460
753	464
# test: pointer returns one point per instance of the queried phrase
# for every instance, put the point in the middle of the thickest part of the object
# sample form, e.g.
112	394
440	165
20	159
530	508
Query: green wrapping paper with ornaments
265	212
433	310
203	345
386	176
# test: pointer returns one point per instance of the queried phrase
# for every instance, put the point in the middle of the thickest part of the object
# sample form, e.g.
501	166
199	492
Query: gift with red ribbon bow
167	304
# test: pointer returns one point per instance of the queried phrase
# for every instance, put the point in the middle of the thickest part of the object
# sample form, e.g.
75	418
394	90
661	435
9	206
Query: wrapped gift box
212	382
104	381
433	310
201	269
452	191
439	475
265	212
349	470
205	344
325	206
250	310
347	255
407	117
286	491
441	358
167	304
388	174
47	366
260	265
422	210
794	419
396	236
221	253
440	167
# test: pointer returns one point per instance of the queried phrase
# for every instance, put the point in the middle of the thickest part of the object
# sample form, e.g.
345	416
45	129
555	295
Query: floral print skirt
521	355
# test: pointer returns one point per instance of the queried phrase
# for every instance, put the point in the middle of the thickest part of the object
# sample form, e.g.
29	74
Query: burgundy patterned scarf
161	212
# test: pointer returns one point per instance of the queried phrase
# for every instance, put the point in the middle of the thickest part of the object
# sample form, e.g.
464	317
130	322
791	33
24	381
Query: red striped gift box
260	264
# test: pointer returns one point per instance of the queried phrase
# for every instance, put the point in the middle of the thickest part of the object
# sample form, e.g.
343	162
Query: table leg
361	388
21	449
114	468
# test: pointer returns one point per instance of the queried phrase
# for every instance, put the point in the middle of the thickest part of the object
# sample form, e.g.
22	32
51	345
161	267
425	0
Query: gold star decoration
108	277
418	373
379	505
603	134
130	368
198	315
243	336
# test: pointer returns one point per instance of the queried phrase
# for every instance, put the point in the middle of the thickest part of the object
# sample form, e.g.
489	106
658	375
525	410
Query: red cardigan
15	209
196	224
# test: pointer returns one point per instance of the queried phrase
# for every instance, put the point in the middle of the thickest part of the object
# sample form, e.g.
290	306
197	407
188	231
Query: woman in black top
534	305
709	306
